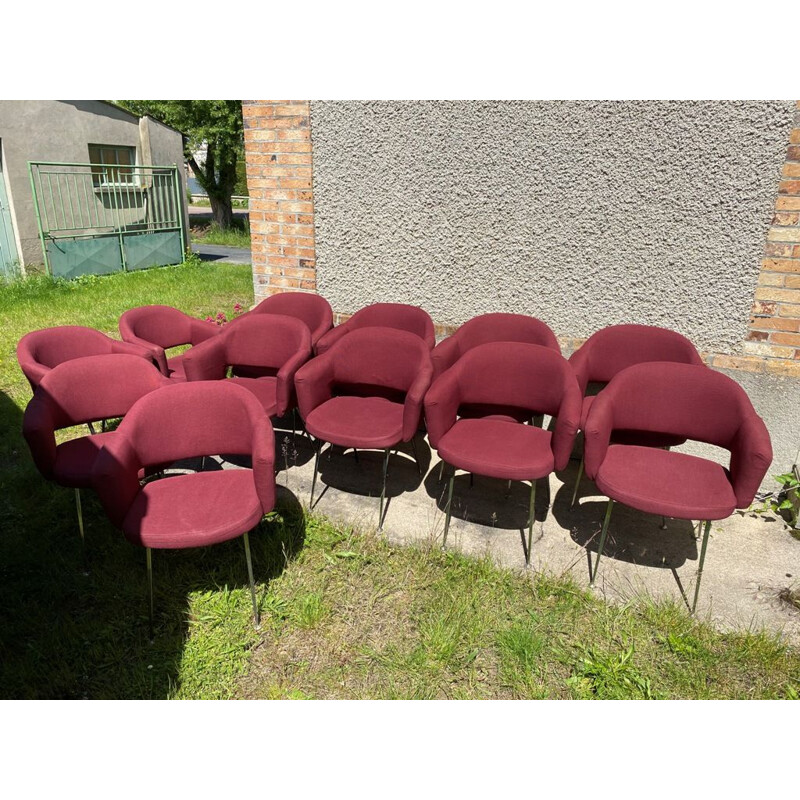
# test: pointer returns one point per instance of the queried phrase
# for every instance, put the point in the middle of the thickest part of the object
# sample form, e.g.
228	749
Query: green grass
344	614
238	235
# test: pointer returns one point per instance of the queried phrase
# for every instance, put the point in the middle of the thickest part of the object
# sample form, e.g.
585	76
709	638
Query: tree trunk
222	211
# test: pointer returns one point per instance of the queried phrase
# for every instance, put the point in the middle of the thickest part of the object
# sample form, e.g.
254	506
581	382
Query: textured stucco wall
584	214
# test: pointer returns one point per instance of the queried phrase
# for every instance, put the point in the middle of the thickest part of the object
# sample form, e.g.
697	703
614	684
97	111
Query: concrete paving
218	252
749	559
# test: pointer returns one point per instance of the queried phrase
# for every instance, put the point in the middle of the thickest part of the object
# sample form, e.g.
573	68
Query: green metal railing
96	218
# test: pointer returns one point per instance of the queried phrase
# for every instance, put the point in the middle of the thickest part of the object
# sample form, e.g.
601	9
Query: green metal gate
102	218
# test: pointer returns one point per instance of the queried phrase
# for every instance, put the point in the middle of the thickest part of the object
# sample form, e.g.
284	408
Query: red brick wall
277	136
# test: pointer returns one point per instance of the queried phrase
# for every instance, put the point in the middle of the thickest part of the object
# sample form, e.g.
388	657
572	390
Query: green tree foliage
217	124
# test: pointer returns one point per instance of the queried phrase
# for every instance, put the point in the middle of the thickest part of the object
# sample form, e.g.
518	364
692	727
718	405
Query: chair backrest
686	400
187	420
39	351
519	374
265	342
370	359
500	327
612	349
160	325
313	309
396	315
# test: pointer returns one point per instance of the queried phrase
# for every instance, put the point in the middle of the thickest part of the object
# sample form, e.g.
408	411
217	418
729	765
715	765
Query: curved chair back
495	327
612	349
265	342
40	351
83	390
688	401
313	309
185	420
527	376
398	316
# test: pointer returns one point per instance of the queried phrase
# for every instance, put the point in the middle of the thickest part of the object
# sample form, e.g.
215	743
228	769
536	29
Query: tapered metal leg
441	470
700	565
609	509
256	615
294	422
80	513
91	428
471	480
316	470
449	507
383	487
416	457
355	454
663	523
577	482
150	590
532	516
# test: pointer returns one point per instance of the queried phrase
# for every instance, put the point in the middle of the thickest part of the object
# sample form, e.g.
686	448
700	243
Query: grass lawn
344	613
238	235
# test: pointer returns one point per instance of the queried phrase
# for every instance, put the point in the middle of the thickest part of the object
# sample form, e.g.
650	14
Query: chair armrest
206	361
567	424
115	477
38	430
597	435
202	330
313	383
330	338
285	391
751	457
441	407
444	355
579	361
152	352
412	407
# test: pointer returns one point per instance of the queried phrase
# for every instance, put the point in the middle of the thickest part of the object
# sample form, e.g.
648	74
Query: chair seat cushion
265	389
194	510
75	459
668	483
643	438
498	448
484	410
364	422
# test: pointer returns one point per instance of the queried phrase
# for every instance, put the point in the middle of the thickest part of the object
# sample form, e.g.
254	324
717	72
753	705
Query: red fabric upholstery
491	328
687	401
83	390
612	349
349	396
311	308
270	346
39	351
383	315
187	420
157	328
526	376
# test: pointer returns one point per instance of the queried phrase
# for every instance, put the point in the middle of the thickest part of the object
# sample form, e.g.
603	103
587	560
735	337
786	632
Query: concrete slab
749	559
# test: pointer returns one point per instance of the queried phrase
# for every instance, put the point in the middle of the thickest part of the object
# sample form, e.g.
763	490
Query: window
112	166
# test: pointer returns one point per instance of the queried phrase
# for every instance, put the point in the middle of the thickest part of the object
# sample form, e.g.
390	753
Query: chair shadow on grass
633	536
74	618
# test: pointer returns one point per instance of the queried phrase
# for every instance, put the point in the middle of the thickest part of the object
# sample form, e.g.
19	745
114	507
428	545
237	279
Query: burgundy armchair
77	391
264	350
686	401
157	328
517	374
612	349
40	351
366	393
383	315
311	308
179	421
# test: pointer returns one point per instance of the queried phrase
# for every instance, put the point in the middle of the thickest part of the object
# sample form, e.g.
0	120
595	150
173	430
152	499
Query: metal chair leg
80	514
316	470
441	470
449	507
150	590
609	509
416	456
471	480
256	615
355	455
663	523
294	422
383	487
532	516
577	482
700	565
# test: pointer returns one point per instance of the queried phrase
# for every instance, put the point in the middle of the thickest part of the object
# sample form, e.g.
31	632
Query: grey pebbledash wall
584	214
